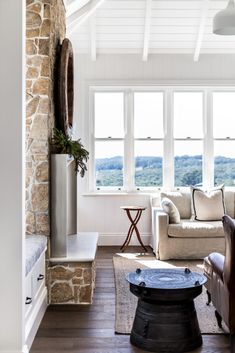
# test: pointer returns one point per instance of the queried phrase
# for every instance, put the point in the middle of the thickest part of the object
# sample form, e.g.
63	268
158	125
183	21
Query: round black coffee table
166	319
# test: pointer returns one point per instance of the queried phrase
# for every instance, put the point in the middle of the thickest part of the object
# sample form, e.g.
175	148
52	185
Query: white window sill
137	193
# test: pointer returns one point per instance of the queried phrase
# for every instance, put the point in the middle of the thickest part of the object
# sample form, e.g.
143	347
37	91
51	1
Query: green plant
62	143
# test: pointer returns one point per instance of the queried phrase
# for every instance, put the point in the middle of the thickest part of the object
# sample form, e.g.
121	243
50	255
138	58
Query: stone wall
71	282
45	30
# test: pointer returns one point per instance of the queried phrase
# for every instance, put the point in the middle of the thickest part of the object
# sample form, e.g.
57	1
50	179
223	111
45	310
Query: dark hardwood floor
90	328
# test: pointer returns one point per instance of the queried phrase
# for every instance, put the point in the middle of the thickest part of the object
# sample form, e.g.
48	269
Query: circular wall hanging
65	89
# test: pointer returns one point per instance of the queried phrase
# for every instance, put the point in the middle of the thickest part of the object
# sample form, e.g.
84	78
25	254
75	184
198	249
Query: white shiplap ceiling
146	26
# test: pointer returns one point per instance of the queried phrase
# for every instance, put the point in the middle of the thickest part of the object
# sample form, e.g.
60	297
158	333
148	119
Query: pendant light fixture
224	20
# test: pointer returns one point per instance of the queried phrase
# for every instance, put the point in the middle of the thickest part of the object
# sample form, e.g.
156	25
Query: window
224	138
151	137
148	134
109	139
188	133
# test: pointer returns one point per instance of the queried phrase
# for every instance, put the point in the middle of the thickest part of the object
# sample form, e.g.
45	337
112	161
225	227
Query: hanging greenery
63	144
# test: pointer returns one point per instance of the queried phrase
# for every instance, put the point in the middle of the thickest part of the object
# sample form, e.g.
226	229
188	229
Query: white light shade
224	21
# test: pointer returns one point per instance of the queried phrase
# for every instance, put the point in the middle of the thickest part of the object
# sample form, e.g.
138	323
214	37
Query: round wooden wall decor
66	90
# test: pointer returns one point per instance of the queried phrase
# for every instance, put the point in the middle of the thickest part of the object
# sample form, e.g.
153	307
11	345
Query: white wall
12	93
102	213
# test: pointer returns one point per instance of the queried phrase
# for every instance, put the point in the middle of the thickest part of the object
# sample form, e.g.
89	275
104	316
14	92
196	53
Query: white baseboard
23	350
35	318
109	239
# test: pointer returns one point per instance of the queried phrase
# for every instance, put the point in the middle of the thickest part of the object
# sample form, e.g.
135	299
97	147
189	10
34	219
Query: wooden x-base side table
133	226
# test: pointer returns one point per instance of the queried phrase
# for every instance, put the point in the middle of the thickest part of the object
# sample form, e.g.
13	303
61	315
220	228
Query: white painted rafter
74	5
93	36
147	26
81	15
201	29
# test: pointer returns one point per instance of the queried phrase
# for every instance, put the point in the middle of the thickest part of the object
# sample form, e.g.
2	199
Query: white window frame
168	136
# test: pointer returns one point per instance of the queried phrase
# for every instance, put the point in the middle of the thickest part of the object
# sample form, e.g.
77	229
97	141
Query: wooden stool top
133	208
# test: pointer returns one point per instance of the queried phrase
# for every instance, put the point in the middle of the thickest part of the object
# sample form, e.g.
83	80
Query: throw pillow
170	208
208	206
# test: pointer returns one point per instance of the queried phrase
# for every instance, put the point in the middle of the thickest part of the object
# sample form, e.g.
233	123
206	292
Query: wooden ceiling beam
147	26
82	14
201	29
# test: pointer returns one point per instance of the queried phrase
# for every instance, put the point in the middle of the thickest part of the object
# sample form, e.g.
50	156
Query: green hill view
148	171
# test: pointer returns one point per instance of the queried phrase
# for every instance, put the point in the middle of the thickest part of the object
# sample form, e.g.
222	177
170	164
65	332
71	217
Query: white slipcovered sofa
189	239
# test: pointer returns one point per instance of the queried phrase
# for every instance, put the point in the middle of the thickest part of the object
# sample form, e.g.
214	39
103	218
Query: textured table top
166	278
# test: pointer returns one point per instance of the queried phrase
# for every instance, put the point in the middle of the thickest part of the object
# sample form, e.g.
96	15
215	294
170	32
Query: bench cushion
188	228
34	247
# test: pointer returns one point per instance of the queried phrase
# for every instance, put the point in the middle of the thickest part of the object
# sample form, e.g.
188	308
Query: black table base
166	328
166	319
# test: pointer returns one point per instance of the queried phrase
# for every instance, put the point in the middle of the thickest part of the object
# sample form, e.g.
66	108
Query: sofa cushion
188	228
169	207
208	206
229	203
182	201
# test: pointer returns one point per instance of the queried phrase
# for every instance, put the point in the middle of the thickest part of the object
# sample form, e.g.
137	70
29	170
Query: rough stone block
41	86
30	229
33	20
44	47
42	224
31	48
78	272
42	172
29	172
61	273
35	7
40	157
47	1
28	86
76	294
47	11
32	106
32	33
34	61
87	275
30	218
43	107
45	68
85	294
27	182
39	127
46	28
38	147
77	281
39	198
32	73
61	293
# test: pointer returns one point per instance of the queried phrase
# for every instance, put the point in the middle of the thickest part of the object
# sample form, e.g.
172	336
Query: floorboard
90	328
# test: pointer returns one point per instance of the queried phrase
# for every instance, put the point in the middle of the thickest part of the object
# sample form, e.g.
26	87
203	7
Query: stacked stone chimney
45	30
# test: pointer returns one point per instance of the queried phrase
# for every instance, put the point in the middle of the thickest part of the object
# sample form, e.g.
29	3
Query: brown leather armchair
220	272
